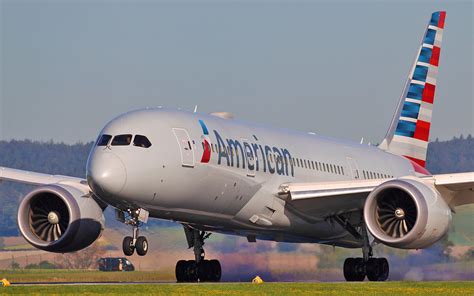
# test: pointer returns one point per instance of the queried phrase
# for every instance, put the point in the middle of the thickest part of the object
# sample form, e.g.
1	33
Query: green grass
63	275
365	288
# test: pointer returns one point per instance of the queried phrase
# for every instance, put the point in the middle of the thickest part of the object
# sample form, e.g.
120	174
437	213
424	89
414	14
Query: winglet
409	130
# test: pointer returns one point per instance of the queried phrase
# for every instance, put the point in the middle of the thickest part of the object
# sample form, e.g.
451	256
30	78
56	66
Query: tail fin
410	127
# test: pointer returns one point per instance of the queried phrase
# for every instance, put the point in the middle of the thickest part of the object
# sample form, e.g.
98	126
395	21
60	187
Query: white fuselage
223	186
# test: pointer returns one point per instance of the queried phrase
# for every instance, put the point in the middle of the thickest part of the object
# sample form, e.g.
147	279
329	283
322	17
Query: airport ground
60	282
365	288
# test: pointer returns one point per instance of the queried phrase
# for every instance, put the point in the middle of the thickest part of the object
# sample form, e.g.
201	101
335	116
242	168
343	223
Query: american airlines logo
244	154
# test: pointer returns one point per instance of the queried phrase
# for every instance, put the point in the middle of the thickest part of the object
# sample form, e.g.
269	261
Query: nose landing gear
198	269
131	243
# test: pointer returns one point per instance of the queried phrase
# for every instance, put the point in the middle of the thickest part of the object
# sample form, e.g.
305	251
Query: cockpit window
122	140
104	140
141	141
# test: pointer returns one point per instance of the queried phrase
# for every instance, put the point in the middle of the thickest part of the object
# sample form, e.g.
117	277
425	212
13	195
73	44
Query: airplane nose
107	172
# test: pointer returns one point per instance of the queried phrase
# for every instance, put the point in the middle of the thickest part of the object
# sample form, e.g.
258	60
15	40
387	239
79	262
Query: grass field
365	288
64	275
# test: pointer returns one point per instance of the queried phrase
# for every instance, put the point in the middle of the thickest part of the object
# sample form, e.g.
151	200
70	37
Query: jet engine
406	214
60	218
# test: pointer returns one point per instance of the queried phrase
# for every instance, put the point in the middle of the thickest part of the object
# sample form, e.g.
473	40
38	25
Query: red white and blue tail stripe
410	128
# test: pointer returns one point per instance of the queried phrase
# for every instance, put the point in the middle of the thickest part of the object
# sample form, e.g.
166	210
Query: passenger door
185	146
354	168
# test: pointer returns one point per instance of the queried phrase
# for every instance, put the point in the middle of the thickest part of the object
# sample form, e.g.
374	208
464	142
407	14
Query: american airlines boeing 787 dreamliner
212	173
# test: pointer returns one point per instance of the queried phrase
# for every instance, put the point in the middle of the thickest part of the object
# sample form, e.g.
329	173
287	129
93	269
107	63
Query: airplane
216	174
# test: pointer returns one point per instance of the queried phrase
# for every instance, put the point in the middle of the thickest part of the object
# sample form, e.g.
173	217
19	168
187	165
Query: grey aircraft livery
213	173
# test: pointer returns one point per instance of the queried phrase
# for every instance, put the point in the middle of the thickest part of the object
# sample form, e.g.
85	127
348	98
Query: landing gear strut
199	268
131	243
356	269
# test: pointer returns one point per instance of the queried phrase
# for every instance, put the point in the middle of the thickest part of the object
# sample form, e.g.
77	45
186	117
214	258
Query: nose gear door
185	146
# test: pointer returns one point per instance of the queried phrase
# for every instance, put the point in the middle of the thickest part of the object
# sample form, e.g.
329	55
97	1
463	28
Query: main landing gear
134	243
198	269
356	269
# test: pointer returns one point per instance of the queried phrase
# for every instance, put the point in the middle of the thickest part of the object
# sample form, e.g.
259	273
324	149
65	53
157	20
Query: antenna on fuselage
195	108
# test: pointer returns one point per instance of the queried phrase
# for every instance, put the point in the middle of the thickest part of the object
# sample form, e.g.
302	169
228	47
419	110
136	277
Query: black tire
215	271
377	269
373	270
191	271
127	246
141	245
204	271
180	271
384	269
349	269
359	269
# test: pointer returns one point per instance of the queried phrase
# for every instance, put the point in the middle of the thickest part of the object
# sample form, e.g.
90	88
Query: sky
336	68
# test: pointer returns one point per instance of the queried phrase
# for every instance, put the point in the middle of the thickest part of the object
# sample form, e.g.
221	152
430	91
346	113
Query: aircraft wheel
377	269
354	269
204	271
191	271
215	271
141	245
127	246
349	269
359	270
180	271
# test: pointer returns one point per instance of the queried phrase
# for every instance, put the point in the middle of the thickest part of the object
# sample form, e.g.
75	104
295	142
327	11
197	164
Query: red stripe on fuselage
418	165
206	156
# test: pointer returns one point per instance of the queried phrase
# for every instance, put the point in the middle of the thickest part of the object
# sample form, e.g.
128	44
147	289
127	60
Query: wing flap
324	199
298	191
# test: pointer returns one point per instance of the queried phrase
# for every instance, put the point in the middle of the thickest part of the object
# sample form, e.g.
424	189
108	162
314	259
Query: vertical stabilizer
410	127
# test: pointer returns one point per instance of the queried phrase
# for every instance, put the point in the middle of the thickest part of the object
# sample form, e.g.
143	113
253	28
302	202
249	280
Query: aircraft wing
33	178
457	189
324	199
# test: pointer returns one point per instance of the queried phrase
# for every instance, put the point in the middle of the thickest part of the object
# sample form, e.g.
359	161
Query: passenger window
122	140
104	140
142	141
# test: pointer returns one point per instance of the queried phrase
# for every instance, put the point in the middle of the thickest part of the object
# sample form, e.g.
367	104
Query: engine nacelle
406	214
60	218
